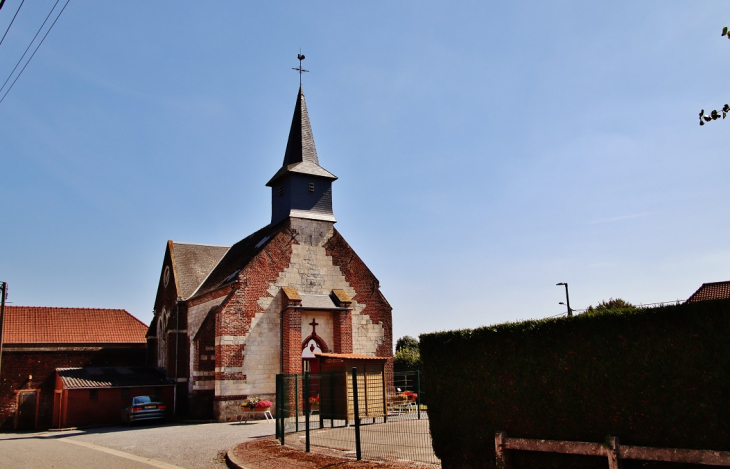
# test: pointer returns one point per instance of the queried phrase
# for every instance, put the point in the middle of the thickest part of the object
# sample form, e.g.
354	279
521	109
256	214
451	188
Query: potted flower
404	401
410	396
405	397
314	403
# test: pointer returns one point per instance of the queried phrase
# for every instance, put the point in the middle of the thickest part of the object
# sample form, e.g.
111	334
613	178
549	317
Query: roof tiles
51	325
193	262
348	356
711	291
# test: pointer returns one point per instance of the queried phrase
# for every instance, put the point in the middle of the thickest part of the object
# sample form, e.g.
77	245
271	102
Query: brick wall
342	332
242	313
377	309
177	364
247	316
292	345
151	360
201	386
17	366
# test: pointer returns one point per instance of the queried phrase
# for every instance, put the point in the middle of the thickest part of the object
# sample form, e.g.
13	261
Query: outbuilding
97	395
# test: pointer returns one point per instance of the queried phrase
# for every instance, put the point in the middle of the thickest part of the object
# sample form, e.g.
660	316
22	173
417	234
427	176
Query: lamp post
567	298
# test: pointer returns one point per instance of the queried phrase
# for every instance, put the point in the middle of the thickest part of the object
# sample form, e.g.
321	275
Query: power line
36	49
27	48
11	22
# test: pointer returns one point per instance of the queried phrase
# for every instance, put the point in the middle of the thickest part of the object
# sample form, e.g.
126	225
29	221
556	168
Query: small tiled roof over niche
51	325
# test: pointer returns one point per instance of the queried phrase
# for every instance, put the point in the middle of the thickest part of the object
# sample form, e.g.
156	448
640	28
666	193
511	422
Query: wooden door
26	412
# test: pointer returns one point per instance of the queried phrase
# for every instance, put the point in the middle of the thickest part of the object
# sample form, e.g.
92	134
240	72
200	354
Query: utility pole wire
26	49
11	22
36	50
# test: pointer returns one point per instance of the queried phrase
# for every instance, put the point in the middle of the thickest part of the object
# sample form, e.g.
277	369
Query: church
228	319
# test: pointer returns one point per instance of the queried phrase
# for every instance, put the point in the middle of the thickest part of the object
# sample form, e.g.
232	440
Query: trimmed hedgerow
653	377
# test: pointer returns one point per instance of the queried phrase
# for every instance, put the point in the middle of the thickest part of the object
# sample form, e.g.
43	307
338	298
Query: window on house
311	187
94	395
281	190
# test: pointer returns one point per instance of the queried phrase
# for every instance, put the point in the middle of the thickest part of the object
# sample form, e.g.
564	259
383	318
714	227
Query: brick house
38	340
228	319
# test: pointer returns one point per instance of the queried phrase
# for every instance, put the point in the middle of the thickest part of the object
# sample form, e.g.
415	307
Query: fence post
418	392
307	409
358	450
331	404
280	410
296	402
612	453
278	404
501	452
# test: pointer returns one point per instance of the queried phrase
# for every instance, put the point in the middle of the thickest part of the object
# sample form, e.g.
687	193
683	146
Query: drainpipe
281	342
177	351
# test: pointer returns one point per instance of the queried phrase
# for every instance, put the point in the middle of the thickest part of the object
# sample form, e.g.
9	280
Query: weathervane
300	56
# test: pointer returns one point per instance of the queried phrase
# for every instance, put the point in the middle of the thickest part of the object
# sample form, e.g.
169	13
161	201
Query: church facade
227	319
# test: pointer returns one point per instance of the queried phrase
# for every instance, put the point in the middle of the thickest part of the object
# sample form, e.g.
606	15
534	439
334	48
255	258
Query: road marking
121	454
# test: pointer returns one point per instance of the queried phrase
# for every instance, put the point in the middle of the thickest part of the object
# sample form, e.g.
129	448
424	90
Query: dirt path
269	454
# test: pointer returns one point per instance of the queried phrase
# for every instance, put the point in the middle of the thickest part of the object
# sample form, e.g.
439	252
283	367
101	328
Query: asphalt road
189	446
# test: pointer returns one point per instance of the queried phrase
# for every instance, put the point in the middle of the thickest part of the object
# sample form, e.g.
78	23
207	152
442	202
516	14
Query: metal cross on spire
300	56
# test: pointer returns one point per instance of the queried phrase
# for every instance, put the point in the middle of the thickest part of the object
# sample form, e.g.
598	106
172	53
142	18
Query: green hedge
653	377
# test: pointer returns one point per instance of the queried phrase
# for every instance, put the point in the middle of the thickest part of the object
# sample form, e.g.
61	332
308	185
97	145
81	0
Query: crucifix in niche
311	346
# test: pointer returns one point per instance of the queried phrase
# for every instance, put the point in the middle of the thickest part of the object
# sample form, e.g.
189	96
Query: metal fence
356	413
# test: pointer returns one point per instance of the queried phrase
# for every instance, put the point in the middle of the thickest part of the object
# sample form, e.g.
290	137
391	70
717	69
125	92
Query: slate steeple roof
301	188
301	154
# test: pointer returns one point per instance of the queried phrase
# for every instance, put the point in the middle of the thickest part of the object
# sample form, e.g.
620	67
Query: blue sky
485	150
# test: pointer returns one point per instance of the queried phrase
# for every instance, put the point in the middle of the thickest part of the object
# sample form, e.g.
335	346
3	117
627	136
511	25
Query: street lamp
567	298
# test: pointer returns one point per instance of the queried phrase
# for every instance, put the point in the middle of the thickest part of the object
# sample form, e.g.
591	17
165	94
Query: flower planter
256	409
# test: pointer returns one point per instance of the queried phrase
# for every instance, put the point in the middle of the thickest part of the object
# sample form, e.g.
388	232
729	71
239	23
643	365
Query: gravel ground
269	454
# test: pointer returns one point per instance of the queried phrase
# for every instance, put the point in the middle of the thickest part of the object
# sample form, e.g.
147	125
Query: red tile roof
348	356
711	291
49	325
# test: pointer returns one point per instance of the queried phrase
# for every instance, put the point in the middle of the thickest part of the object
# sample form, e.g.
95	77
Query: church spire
301	188
300	146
